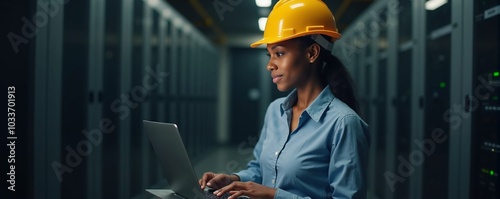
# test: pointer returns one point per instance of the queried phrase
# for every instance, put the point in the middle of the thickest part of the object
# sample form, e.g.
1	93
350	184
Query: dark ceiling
238	18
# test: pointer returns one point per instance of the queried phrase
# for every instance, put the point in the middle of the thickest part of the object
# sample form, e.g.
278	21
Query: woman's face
289	64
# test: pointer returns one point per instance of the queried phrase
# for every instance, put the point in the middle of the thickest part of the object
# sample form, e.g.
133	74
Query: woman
313	144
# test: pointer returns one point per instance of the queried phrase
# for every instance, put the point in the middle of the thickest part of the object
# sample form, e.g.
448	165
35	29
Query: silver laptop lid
173	158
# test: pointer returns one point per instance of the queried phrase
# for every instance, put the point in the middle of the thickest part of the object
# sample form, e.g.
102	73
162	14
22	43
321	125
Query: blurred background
81	76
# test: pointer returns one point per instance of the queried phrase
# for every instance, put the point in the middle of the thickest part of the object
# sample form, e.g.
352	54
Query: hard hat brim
333	35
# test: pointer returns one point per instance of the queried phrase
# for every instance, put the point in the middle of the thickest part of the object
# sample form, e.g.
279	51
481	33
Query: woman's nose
271	66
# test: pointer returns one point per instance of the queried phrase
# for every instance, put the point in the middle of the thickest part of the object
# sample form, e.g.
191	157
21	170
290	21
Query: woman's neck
307	93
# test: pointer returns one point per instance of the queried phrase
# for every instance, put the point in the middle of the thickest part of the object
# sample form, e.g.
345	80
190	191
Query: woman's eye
277	54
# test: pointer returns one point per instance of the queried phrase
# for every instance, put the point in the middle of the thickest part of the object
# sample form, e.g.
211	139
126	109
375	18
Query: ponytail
333	73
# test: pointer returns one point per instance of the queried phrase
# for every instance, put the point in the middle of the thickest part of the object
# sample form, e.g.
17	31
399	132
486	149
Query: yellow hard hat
296	18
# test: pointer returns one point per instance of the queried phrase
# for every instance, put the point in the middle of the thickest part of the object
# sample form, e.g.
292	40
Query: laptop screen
173	158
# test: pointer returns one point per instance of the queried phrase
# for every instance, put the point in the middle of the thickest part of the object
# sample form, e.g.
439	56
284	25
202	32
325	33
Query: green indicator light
495	97
492	172
442	84
496	74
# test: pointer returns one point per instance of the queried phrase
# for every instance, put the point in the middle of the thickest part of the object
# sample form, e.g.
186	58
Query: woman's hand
216	180
250	189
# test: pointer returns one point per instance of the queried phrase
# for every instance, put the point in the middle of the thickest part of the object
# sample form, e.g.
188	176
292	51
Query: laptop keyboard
210	195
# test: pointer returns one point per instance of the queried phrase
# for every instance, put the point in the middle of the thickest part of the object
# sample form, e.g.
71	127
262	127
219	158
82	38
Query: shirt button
273	181
276	153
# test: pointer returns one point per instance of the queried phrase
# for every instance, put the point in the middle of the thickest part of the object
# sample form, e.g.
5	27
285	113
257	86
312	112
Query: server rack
484	101
431	49
93	61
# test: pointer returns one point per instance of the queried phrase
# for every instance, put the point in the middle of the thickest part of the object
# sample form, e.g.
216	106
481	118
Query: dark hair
335	74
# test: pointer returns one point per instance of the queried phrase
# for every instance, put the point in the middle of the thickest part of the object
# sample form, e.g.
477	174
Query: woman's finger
216	182
236	194
205	178
230	187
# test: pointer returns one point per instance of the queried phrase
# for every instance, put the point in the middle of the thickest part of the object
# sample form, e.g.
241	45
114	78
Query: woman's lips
277	78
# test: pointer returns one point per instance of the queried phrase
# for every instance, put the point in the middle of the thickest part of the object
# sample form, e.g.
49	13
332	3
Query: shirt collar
315	109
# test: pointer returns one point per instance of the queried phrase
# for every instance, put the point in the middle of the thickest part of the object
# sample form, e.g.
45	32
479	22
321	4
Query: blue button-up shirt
324	157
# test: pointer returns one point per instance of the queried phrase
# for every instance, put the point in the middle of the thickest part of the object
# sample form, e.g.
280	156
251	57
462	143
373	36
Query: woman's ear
313	52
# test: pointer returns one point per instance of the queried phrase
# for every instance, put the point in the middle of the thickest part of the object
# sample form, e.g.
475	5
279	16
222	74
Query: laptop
174	160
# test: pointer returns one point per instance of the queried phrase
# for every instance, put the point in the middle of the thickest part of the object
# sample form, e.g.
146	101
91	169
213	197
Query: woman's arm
254	190
253	171
349	159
